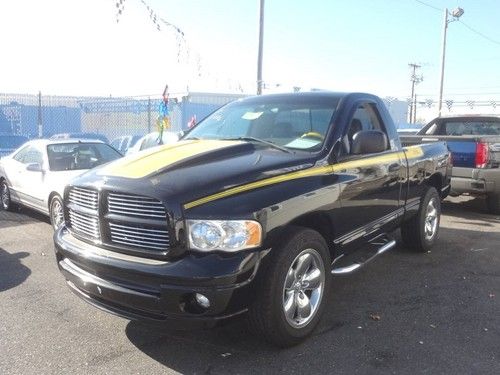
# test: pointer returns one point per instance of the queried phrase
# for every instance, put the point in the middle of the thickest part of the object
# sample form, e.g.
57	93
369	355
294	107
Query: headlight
224	235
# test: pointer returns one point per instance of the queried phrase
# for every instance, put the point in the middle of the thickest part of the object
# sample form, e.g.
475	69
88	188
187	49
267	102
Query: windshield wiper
258	140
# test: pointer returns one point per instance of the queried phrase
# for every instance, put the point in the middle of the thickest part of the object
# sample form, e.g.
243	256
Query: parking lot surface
405	313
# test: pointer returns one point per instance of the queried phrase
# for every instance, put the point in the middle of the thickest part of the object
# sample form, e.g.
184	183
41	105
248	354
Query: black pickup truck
251	212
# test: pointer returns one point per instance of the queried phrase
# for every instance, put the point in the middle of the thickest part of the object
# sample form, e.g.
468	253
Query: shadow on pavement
473	209
12	271
20	216
430	306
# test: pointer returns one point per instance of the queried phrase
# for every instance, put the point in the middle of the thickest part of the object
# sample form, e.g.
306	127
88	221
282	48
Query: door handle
394	167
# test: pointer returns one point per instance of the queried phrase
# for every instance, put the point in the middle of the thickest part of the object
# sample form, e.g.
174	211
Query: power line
429	5
480	33
463	23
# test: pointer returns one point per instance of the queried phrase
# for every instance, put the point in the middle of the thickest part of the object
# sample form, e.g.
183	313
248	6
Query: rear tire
292	289
56	212
421	231
5	201
493	203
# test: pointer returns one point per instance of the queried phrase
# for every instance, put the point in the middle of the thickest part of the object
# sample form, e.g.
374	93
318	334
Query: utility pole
40	123
261	45
414	81
456	14
443	54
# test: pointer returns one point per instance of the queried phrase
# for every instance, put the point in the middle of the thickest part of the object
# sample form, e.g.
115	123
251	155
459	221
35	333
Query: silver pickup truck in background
474	142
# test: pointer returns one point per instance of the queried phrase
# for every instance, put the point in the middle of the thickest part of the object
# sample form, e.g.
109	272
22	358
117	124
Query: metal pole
261	44
149	114
415	110
40	126
445	27
412	95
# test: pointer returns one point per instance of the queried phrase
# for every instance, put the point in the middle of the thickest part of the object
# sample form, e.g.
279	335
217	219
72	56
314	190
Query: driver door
31	183
371	183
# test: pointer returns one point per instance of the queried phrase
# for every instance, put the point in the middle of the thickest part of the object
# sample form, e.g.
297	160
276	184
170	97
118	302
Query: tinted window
365	118
298	123
76	156
470	128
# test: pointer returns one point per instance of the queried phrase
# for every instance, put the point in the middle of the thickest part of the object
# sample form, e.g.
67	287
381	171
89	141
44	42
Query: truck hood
192	169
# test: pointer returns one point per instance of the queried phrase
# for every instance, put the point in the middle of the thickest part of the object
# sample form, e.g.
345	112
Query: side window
19	156
364	118
29	155
432	129
33	156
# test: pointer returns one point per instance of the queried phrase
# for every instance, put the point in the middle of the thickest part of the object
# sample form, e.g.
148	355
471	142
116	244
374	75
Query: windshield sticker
251	115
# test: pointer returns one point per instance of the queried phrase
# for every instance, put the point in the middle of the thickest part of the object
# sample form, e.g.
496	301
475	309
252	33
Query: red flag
192	122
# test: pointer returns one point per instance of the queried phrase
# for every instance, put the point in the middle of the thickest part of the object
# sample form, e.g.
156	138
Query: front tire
56	212
293	289
5	201
421	231
493	203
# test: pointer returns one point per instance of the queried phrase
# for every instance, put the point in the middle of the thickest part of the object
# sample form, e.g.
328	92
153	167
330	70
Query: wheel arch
436	181
321	223
52	195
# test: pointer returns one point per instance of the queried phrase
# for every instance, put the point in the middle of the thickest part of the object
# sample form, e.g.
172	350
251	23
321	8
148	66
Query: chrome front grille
84	224
139	236
126	222
83	197
135	206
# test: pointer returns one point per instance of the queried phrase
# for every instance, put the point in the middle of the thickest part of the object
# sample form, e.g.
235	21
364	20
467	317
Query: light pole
261	45
456	14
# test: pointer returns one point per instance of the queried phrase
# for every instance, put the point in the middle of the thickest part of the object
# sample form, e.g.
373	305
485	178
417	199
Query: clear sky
76	47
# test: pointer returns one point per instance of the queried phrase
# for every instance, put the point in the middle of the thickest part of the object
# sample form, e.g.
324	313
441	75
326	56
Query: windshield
293	123
12	141
77	156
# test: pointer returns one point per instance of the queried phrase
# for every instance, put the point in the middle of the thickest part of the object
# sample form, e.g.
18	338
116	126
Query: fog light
202	300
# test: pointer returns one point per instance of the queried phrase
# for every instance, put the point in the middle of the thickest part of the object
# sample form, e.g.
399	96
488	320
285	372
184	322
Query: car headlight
223	235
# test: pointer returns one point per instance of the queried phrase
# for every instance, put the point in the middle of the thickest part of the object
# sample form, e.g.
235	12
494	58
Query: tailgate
463	148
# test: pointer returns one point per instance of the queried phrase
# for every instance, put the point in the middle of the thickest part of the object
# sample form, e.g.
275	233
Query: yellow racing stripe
147	162
411	152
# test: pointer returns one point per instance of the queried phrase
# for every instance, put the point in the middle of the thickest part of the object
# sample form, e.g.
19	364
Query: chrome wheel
56	213
5	196
431	219
303	288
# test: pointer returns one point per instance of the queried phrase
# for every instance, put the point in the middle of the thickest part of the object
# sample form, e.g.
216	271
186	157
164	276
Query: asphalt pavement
405	313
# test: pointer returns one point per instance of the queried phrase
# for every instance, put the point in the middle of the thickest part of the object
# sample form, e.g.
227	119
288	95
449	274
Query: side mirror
34	167
369	142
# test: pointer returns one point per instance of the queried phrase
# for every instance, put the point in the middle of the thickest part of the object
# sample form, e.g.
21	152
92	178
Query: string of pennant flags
449	103
159	23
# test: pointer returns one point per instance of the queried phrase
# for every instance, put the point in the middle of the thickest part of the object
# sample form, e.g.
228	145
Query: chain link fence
41	116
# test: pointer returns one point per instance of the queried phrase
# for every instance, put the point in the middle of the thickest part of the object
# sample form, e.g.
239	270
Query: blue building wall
54	120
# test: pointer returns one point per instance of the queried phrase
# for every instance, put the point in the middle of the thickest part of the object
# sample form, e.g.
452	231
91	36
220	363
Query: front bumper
158	291
475	181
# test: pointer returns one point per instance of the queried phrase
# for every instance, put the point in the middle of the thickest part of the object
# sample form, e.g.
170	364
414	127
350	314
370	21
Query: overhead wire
462	22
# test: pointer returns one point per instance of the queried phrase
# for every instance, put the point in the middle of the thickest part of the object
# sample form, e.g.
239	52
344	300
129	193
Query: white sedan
36	173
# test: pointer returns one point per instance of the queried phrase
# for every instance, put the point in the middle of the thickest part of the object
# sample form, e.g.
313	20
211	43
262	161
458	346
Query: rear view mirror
34	167
369	142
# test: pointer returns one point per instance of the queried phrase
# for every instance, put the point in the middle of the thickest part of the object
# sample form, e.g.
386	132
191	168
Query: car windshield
286	122
12	141
470	128
77	156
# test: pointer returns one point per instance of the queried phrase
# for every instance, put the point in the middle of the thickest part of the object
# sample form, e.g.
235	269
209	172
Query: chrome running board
347	264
